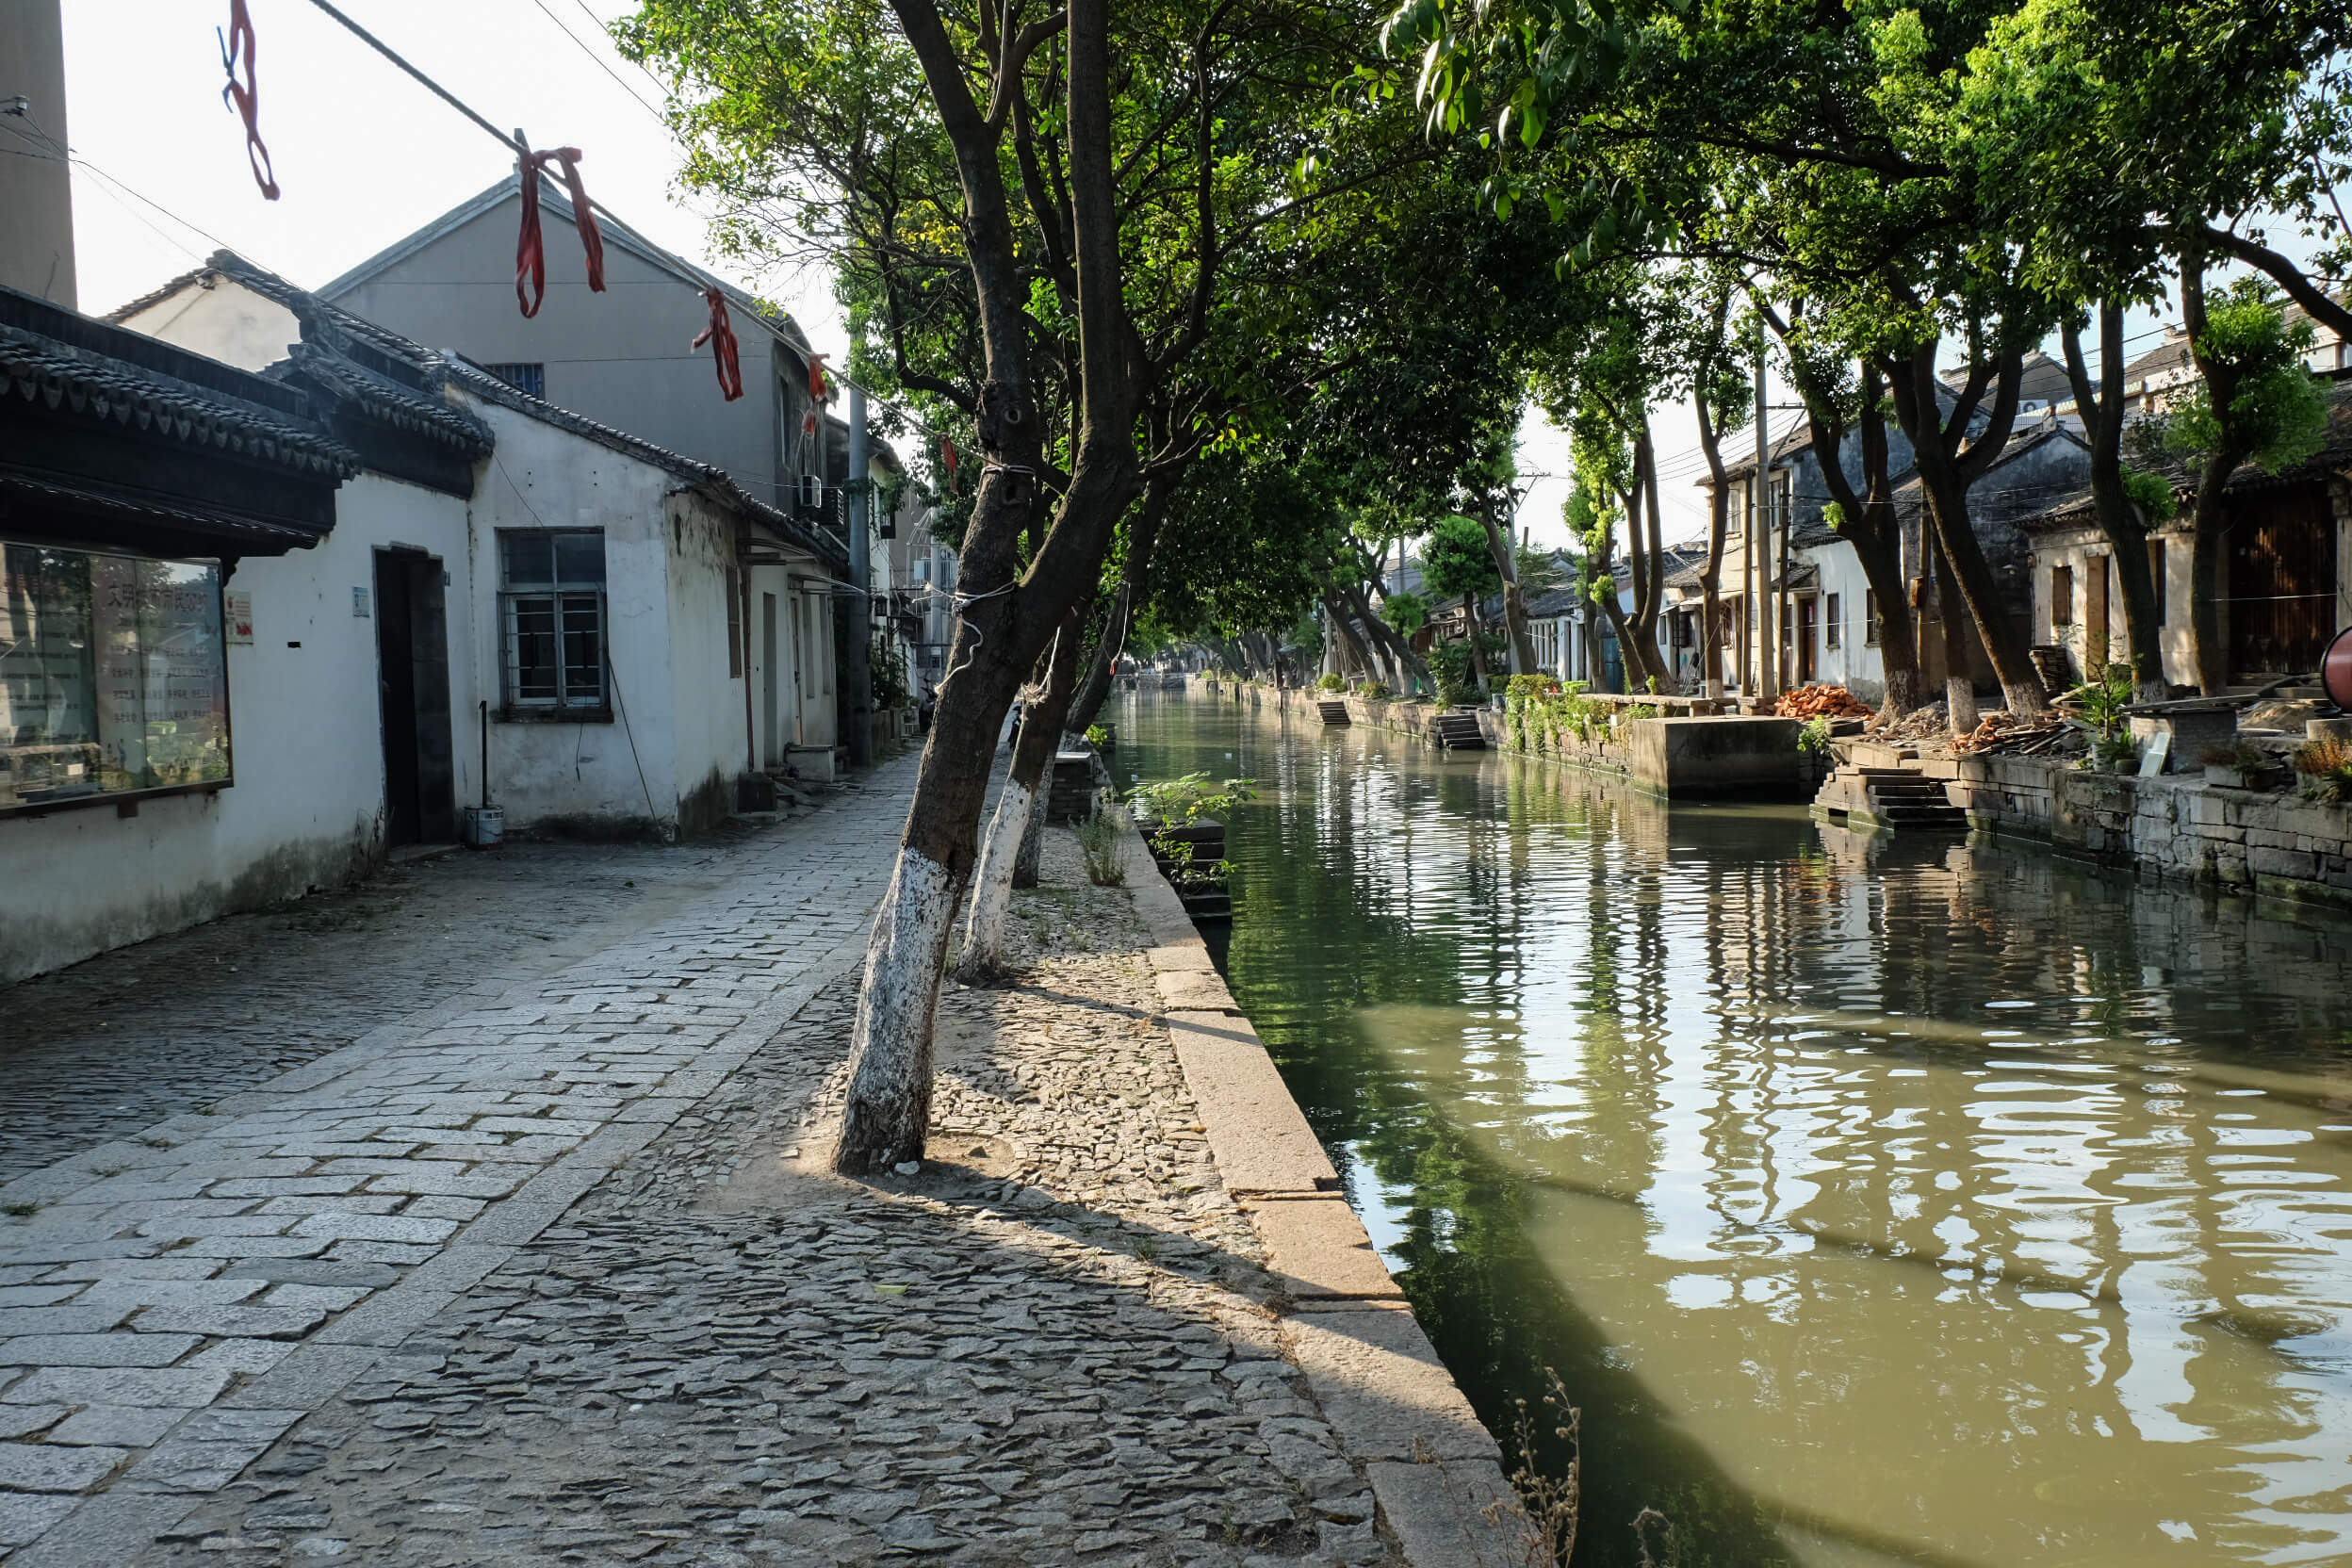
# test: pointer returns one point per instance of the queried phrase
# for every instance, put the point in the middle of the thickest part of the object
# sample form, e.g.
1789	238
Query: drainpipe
861	635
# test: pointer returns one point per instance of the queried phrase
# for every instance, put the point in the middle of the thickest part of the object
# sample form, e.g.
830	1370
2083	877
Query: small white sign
2153	754
359	602
236	606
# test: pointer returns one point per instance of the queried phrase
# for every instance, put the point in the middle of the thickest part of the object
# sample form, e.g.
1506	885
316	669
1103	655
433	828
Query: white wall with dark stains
306	809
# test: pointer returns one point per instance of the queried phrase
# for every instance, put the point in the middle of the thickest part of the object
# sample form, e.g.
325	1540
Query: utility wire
511	143
582	46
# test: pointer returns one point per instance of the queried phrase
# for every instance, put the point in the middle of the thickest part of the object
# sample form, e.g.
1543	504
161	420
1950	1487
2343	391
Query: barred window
531	378
1831	634
552	606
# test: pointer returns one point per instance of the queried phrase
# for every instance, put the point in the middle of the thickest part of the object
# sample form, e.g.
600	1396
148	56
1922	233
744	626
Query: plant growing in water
1176	804
1552	1501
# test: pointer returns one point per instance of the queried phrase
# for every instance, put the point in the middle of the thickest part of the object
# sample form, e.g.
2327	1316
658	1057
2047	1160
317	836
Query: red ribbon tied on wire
245	96
720	334
817	387
947	454
531	258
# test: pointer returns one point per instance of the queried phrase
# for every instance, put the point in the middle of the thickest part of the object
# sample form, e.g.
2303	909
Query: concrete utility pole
1759	536
861	629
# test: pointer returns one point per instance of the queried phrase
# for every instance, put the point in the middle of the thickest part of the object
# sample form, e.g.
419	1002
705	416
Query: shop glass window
553	609
113	677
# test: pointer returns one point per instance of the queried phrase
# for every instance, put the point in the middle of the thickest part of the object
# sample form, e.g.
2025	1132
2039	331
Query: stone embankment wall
1435	1471
2275	845
1687	752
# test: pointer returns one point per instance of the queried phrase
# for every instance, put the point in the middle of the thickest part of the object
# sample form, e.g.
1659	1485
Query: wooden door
2281	589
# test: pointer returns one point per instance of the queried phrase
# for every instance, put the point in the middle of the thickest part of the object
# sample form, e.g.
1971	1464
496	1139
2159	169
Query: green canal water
1928	1205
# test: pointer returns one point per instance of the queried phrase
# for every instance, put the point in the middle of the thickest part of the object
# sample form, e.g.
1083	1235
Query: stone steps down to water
1897	798
1457	730
1335	711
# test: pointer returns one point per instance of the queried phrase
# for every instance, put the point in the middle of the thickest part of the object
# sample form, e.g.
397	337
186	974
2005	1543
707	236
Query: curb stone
1435	1470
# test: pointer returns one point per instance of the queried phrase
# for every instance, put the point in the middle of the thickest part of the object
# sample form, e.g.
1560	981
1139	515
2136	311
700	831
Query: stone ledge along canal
1914	1204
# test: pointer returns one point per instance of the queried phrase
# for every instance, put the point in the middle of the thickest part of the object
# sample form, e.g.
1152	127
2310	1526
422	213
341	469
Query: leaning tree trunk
2101	409
2207	537
887	1111
1019	813
1946	472
1959	684
1515	602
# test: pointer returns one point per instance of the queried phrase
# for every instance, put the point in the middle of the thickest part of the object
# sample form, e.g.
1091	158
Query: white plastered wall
307	806
591	777
226	321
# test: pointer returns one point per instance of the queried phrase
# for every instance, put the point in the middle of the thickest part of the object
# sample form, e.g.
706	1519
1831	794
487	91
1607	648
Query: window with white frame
1833	634
553	611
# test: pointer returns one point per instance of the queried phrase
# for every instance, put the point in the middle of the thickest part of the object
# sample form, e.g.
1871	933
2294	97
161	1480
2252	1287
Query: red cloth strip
531	258
245	97
720	334
817	387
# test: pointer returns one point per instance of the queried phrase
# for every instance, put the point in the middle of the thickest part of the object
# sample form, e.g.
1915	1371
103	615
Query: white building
277	610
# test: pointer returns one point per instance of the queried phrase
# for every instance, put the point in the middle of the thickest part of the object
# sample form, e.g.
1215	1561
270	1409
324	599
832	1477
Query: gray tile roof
143	393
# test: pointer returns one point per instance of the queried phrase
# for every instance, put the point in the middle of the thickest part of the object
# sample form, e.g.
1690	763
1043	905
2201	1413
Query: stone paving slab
1261	1138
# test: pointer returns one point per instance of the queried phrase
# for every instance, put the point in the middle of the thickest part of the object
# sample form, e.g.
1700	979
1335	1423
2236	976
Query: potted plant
2097	708
2323	769
2232	764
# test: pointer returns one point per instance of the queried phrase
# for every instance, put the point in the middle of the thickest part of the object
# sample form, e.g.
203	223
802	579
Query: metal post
861	601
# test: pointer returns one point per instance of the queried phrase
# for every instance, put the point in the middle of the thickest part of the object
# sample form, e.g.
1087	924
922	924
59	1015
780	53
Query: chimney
36	185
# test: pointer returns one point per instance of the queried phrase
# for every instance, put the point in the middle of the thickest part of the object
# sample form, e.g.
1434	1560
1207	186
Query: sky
363	155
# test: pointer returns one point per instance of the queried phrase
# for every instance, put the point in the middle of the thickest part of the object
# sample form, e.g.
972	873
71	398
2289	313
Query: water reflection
1900	1204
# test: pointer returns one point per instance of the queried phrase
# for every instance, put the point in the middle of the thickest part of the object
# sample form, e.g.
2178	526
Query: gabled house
2285	582
620	358
1830	631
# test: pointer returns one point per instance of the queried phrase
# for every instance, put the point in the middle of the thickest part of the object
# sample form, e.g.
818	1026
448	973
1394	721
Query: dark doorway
1809	636
412	687
2281	593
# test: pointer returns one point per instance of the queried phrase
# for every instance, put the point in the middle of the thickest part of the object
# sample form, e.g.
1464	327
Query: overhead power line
513	142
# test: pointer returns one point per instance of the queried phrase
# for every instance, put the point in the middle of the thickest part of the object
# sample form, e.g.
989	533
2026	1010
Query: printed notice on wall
113	677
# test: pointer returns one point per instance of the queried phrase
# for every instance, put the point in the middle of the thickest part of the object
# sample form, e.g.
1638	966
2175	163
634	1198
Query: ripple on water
1826	1290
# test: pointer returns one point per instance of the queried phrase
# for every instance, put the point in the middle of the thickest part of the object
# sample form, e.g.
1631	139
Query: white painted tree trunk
889	1089
982	957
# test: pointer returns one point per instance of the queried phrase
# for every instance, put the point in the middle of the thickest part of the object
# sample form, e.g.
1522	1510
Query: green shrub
1100	834
1373	691
1333	684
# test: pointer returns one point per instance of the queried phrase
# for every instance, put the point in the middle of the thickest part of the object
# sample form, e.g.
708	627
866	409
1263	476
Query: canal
1928	1206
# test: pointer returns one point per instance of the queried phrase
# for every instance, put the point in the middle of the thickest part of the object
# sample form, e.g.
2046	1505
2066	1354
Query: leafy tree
1455	564
2254	401
1067	234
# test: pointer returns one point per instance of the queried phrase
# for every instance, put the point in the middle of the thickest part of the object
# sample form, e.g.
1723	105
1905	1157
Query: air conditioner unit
812	491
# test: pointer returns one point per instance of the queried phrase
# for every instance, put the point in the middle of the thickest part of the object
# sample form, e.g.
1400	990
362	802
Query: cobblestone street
547	1266
205	1268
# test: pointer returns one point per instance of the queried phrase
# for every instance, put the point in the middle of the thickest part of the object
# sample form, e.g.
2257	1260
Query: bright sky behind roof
365	155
